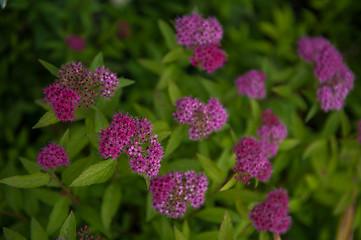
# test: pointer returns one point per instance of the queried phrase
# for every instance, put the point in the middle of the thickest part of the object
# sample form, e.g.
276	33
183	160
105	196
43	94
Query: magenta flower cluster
134	137
252	84
84	234
271	133
53	156
272	214
336	79
75	42
252	156
204	37
77	87
174	191
251	161
202	118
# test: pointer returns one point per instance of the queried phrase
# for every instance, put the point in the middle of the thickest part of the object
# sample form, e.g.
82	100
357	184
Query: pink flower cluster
174	191
272	133
202	118
251	161
252	155
272	214
75	42
63	101
134	137
204	37
84	234
77	87
336	79
53	156
252	84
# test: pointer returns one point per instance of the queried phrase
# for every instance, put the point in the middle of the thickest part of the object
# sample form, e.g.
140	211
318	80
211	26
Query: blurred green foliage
319	163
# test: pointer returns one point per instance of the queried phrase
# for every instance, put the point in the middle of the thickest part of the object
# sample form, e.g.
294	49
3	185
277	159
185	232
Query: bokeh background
257	34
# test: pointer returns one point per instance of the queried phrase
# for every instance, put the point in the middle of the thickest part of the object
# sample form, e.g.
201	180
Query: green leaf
110	204
68	230
173	55
209	235
123	82
175	140
37	231
332	124
27	181
174	92
211	88
168	34
226	230
74	169
152	65
97	173
50	67
12	235
97	62
178	234
145	112
185	229
31	204
312	112
167	75
100	121
58	215
47	119
229	184
211	169
150	212
64	141
288	144
30	166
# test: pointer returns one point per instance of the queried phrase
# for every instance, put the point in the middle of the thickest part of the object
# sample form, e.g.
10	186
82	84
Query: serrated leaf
68	230
173	55
50	67
226	230
211	168
12	235
178	234
47	119
37	231
27	181
175	140
97	62
58	215
97	173
110	204
229	184
64	141
123	82
30	166
168	34
174	92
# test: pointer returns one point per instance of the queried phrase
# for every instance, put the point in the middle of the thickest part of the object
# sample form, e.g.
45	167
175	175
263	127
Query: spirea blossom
53	156
174	191
209	57
75	42
272	214
194	31
63	101
336	79
271	133
252	84
84	234
202	118
108	82
251	161
134	137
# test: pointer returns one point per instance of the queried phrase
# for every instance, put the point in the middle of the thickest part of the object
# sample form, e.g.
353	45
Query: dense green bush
318	163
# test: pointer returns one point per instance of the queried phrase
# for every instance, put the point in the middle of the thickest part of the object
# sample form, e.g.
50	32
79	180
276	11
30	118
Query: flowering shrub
245	146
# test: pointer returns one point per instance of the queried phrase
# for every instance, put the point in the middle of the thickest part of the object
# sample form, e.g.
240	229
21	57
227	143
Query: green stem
66	190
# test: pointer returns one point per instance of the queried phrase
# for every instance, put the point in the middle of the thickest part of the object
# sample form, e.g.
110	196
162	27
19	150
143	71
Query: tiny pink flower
75	43
53	156
252	84
107	81
209	57
310	48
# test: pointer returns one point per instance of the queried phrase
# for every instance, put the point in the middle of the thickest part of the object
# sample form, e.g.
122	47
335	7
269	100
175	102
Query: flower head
272	214
251	161
75	42
309	48
107	81
252	84
202	118
209	57
53	156
174	191
193	31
